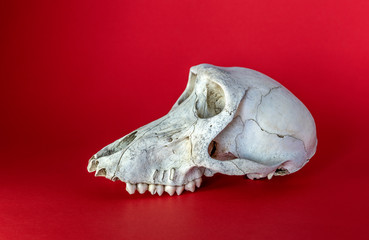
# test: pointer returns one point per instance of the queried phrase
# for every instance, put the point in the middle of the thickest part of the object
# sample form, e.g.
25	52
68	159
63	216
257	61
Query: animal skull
234	121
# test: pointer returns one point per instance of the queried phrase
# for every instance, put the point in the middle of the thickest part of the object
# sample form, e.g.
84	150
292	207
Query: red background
77	75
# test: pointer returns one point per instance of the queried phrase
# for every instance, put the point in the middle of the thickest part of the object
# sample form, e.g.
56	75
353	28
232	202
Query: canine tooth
190	186
170	190
179	190
270	175
131	188
198	182
152	189
141	187
159	189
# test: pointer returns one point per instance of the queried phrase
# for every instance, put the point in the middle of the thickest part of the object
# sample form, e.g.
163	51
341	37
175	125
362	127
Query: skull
234	121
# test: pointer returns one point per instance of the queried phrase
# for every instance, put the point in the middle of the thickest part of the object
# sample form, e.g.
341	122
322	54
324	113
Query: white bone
234	121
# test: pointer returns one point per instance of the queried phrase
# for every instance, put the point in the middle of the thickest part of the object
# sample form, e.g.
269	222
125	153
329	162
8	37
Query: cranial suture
229	120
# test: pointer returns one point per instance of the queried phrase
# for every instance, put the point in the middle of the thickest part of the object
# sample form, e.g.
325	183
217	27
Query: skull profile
234	121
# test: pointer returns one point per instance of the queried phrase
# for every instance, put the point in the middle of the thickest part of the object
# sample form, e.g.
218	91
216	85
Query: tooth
270	175
198	182
180	190
159	189
190	186
141	187
131	188
152	189
170	190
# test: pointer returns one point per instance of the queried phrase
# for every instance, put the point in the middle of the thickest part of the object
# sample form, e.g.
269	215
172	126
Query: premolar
131	188
141	187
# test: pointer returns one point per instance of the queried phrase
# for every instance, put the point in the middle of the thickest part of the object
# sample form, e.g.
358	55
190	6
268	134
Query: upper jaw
160	182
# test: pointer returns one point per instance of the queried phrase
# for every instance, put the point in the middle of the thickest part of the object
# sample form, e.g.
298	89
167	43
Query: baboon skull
234	121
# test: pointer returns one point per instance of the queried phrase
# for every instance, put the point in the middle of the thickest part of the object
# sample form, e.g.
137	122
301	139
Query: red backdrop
77	75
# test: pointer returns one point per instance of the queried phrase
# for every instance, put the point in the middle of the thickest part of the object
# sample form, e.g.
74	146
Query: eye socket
213	103
189	88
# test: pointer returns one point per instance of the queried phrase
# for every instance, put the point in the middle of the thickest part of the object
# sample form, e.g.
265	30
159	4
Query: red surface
77	75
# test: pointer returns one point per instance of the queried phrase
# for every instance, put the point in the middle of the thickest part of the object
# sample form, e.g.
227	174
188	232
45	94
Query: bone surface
229	120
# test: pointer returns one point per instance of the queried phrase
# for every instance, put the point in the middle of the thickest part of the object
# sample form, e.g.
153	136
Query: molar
190	186
198	182
152	189
159	189
179	190
170	190
131	188
141	187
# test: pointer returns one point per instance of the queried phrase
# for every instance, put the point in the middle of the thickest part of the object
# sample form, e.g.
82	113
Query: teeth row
160	189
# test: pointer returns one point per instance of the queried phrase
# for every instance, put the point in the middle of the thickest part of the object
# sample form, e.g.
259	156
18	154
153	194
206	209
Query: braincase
247	78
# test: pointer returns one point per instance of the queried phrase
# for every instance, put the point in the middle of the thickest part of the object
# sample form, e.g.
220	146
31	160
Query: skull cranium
234	121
